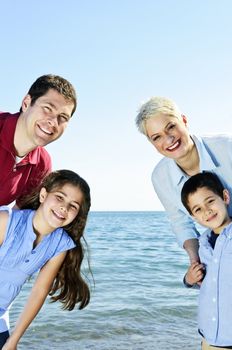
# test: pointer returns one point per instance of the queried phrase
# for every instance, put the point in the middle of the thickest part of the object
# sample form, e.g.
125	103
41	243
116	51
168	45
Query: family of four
43	232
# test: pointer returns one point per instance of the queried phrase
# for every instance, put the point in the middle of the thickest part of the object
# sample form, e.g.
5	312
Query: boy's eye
59	197
211	200
197	210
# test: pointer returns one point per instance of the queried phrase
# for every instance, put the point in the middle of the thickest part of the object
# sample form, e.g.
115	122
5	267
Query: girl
45	235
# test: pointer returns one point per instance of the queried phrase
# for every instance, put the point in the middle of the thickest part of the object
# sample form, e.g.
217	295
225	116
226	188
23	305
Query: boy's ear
26	102
43	194
226	196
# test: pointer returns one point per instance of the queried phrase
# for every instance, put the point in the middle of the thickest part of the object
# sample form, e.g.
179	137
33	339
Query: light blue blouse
215	153
18	259
215	299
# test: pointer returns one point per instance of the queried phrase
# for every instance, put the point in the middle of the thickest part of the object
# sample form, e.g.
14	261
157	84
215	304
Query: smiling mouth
47	132
58	215
174	146
211	218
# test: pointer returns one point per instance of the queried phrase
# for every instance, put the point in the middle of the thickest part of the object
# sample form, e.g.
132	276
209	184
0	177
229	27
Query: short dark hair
204	179
41	86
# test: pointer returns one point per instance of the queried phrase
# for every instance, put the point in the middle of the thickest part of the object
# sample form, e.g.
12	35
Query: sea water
138	301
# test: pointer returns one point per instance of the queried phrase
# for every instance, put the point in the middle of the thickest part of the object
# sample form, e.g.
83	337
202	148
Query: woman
184	155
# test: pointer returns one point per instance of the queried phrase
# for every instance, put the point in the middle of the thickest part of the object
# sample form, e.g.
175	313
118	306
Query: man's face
46	120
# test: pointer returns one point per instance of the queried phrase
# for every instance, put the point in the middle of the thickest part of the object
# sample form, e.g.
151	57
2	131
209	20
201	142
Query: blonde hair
155	105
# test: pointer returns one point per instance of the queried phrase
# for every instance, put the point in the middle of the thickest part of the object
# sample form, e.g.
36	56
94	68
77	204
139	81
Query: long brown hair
69	284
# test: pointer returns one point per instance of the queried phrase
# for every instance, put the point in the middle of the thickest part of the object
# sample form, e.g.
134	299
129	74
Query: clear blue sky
118	53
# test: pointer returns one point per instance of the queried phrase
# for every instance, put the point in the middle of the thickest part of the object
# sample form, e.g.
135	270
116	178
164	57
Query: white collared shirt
215	153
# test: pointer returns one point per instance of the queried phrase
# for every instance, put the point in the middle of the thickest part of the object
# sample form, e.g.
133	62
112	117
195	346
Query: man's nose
52	120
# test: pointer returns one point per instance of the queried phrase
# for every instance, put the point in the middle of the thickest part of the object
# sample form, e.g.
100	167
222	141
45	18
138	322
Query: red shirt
19	179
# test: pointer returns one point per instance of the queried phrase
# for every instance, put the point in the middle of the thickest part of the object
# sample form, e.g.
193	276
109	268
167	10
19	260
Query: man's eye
63	118
47	109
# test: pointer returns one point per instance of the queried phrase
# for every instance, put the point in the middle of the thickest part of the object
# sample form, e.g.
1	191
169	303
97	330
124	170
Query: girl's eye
59	197
73	207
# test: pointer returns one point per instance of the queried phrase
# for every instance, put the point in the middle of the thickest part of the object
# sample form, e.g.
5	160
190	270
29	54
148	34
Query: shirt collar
206	162
7	139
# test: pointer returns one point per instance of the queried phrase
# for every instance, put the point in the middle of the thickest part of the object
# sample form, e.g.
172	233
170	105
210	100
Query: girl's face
60	206
169	135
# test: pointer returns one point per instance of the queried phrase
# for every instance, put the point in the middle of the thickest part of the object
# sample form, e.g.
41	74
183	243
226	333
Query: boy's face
209	209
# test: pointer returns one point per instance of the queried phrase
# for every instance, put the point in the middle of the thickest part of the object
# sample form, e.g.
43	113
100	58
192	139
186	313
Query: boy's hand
195	273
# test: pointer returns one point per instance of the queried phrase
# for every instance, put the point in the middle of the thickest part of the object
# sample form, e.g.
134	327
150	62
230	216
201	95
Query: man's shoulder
7	116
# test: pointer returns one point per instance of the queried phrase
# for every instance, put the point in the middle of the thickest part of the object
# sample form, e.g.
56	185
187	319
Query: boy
205	198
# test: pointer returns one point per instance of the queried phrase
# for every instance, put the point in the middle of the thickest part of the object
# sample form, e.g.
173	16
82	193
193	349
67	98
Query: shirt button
214	279
27	261
214	300
215	260
213	319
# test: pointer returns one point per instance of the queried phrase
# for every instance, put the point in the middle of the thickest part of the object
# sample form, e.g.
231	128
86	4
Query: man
43	117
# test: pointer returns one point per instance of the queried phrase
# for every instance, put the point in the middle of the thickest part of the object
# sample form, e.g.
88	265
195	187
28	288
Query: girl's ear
226	196
43	194
26	102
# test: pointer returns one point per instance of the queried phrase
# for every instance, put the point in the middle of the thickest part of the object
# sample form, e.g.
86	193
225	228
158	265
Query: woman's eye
171	126
155	138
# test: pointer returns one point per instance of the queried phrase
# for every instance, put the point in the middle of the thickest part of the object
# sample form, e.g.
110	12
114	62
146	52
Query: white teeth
58	215
174	146
46	131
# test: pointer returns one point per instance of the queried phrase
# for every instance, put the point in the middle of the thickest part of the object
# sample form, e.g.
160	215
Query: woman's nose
169	139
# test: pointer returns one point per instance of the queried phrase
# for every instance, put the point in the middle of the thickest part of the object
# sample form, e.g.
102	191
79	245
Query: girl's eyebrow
65	195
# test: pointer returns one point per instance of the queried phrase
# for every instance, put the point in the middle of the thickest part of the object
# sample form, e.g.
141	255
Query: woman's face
169	135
